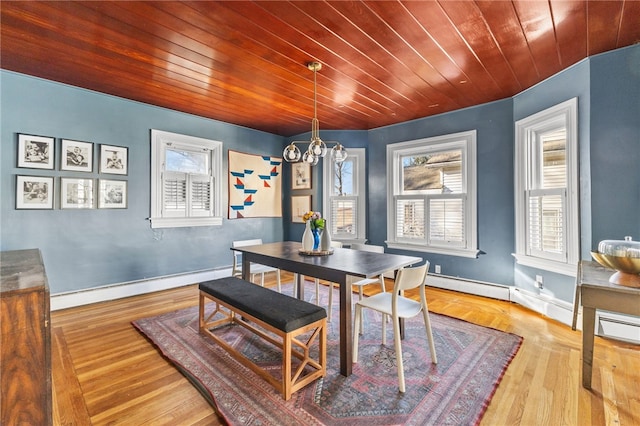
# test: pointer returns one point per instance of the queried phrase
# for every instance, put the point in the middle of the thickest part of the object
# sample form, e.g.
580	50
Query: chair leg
384	330
317	283
262	279
360	296
356	324
398	345
278	282
330	304
427	324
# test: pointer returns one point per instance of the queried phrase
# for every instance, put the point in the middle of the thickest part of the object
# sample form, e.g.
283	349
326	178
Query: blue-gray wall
615	145
494	125
84	249
91	248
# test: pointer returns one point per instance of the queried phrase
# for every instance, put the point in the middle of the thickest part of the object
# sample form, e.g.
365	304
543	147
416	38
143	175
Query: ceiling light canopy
317	148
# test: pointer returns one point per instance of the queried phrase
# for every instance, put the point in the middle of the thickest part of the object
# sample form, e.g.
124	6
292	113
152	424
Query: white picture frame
34	192
36	152
112	194
114	159
300	175
76	156
300	204
77	193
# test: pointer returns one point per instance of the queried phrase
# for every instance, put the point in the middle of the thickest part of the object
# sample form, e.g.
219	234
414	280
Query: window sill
448	251
546	265
183	222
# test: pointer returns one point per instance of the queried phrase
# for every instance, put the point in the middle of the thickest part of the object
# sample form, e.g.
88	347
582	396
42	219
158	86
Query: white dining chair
360	283
397	306
255	268
334	244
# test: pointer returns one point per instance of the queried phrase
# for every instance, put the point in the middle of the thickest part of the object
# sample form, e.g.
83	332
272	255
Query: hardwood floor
106	372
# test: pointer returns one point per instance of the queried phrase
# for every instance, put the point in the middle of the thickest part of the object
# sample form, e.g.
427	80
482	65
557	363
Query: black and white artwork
34	192
77	156
76	193
113	159
35	152
113	194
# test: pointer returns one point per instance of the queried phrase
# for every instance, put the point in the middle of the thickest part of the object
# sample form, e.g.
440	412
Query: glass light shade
291	154
338	153
308	157
318	148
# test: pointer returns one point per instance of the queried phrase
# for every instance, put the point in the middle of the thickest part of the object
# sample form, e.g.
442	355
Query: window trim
159	141
358	155
525	132
466	141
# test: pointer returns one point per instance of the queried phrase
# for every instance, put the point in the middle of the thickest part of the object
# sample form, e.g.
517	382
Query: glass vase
316	239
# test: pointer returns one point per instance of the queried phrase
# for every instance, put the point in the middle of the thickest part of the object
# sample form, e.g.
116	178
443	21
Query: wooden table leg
576	306
346	328
588	329
300	284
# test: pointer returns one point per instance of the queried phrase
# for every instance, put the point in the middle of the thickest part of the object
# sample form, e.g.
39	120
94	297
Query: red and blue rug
471	362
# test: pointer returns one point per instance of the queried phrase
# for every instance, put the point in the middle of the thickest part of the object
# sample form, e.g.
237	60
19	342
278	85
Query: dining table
335	266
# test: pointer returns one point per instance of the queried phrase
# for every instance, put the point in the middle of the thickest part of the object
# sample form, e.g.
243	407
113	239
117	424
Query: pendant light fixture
317	148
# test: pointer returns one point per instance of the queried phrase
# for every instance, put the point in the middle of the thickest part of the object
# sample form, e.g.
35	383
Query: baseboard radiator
608	324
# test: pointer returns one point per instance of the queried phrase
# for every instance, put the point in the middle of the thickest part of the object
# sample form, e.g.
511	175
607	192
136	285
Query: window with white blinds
432	200
186	175
546	189
344	197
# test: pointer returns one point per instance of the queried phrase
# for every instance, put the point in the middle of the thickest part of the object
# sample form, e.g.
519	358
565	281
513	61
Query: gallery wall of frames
80	188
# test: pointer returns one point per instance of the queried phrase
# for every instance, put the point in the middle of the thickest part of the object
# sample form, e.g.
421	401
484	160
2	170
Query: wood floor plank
106	372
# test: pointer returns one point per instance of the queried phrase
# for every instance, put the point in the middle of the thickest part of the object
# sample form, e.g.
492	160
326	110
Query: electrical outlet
539	281
437	269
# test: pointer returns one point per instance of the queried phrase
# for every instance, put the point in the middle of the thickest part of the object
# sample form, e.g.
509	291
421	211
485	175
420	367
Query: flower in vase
315	220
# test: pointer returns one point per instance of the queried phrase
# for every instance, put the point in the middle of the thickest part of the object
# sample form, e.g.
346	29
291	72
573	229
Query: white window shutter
546	223
446	220
410	218
201	187
343	216
174	194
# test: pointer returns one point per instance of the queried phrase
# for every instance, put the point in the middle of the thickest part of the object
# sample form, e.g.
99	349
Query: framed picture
114	159
300	176
76	193
35	152
76	156
34	192
112	194
300	204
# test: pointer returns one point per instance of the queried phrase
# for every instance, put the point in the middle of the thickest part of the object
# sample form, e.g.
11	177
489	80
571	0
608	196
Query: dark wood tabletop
335	267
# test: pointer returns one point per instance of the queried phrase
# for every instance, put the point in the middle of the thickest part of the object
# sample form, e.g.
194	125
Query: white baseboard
558	310
134	288
478	288
609	324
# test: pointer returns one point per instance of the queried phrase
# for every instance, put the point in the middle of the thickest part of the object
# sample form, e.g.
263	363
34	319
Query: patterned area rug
456	391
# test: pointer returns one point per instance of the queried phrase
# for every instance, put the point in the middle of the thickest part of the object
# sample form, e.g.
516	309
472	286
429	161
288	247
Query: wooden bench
277	318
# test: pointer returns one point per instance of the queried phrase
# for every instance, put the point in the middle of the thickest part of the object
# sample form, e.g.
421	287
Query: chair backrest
409	278
367	247
237	269
243	243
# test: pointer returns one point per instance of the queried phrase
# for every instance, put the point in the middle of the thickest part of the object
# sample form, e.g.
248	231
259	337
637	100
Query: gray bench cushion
278	310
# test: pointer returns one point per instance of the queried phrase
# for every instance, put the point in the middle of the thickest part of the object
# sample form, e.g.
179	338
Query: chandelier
317	148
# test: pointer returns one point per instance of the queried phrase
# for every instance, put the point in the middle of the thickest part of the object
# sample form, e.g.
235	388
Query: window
547	189
432	195
186	181
344	197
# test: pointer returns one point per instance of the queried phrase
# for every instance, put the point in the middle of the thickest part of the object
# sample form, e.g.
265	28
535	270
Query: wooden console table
25	340
595	291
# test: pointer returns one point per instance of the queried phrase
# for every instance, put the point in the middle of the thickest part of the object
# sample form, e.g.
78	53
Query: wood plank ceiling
243	62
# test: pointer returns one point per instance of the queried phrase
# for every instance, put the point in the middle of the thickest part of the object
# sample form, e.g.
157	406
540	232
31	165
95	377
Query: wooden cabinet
25	343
